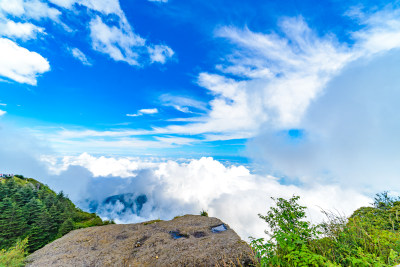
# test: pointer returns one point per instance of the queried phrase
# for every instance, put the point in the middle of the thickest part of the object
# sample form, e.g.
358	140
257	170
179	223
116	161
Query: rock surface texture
184	241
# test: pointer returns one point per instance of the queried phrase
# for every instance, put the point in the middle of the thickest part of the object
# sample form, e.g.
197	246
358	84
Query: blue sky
106	97
152	72
187	79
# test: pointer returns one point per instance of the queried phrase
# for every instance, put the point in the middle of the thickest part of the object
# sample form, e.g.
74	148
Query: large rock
190	240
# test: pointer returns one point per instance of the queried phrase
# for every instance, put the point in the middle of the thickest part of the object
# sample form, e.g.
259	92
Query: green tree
66	227
290	235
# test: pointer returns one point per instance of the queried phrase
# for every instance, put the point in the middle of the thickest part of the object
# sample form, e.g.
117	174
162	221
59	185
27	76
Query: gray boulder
190	240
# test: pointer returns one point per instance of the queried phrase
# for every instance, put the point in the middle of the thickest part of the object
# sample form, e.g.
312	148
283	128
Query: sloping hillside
30	209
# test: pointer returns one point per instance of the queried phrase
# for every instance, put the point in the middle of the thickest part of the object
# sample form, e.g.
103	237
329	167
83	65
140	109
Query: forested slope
30	209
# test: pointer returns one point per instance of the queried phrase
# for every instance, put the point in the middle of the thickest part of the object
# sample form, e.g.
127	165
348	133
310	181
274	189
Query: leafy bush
290	236
370	237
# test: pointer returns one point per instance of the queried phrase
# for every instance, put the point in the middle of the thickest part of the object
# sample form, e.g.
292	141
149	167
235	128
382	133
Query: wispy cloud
145	111
79	55
271	79
159	1
2	112
160	53
116	39
118	42
268	81
32	9
183	104
24	31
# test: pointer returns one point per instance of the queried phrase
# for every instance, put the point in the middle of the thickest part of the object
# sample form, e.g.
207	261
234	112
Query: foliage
290	236
31	209
370	237
14	256
204	213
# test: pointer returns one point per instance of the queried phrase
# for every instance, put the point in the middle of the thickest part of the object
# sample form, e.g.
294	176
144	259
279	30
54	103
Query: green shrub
204	213
14	256
370	237
290	235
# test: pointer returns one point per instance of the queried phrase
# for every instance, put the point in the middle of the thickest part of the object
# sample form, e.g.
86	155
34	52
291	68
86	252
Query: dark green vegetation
369	237
204	213
30	211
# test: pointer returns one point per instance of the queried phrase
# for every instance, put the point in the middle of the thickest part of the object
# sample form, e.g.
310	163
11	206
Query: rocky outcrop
190	240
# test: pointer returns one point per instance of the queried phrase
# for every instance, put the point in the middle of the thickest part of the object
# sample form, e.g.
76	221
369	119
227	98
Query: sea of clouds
172	187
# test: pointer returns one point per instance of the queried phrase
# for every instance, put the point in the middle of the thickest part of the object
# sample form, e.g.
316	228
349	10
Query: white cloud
103	6
2	112
274	78
145	111
117	42
268	82
160	53
31	9
159	1
183	104
349	135
20	64
285	74
173	188
99	166
20	30
148	111
381	32
122	44
79	55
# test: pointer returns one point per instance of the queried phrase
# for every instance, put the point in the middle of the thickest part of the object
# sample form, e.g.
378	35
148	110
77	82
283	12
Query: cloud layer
174	188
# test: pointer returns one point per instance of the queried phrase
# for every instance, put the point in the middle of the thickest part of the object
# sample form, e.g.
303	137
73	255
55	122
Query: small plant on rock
204	213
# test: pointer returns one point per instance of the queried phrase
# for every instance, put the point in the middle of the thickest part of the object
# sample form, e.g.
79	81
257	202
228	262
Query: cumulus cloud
349	135
20	64
2	112
79	55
